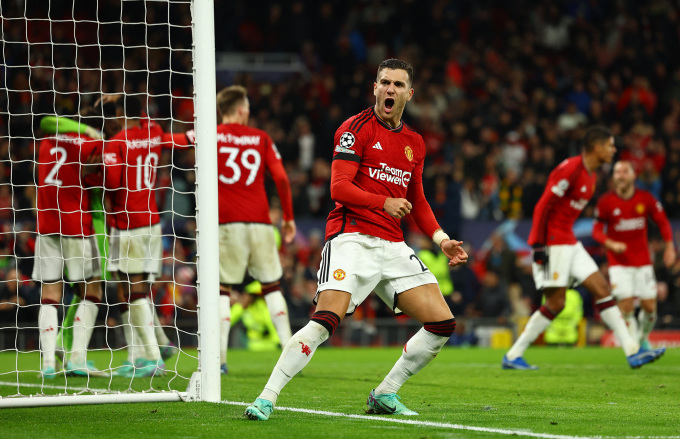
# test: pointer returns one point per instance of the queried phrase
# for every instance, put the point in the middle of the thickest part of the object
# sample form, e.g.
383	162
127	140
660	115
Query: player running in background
376	181
623	212
561	262
66	241
247	239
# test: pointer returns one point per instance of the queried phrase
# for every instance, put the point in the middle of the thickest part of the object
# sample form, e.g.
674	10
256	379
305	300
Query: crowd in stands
503	92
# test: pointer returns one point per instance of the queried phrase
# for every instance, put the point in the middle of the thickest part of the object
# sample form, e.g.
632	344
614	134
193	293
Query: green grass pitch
576	393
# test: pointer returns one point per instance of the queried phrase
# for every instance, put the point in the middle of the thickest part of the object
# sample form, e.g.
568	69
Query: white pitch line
422	423
368	418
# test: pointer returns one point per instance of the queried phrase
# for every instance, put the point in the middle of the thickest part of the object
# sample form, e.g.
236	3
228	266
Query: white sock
83	325
48	324
278	310
295	356
225	327
161	337
647	322
417	353
535	326
613	318
631	322
134	344
142	322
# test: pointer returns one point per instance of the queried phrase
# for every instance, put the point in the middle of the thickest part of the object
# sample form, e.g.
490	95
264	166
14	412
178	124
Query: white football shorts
632	282
248	246
53	253
359	263
136	251
568	266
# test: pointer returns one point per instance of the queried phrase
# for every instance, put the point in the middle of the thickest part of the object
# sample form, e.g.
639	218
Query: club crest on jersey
555	275
339	274
409	153
347	140
640	208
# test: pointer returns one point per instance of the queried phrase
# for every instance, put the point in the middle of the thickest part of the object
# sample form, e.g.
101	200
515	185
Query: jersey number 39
250	160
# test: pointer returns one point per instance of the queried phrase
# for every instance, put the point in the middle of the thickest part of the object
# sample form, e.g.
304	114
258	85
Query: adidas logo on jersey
583	189
377	146
616	212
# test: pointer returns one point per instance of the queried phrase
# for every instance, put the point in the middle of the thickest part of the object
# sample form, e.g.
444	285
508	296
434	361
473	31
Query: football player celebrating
66	241
623	212
376	181
560	261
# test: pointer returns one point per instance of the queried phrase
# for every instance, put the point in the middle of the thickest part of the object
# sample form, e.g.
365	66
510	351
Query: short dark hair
131	105
396	64
594	135
229	98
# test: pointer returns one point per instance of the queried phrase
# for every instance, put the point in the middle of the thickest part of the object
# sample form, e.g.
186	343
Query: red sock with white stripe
48	324
278	310
612	317
417	353
538	322
298	351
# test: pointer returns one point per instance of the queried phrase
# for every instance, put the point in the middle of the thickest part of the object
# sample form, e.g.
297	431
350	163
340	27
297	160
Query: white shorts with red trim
248	246
632	282
136	251
79	256
568	266
359	263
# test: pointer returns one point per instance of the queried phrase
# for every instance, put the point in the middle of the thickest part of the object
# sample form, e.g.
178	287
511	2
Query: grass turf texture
577	392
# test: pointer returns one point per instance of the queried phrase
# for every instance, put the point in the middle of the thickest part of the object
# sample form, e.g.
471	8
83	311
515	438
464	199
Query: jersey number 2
59	154
250	159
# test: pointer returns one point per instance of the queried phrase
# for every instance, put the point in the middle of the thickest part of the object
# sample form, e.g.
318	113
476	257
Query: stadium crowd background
503	91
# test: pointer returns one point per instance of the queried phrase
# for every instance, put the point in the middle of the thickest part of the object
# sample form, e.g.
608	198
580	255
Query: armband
439	236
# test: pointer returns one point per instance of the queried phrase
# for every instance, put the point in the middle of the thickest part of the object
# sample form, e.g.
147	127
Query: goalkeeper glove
540	254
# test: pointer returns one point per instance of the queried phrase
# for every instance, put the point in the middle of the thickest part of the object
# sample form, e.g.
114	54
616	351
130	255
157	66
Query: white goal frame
205	383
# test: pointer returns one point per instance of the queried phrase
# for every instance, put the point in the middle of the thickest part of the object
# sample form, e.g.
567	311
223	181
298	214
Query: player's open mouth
389	103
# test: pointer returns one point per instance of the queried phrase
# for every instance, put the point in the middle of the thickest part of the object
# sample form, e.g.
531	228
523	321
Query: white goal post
204	383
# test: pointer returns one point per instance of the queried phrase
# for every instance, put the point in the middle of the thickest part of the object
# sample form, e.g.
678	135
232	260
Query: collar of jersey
385	125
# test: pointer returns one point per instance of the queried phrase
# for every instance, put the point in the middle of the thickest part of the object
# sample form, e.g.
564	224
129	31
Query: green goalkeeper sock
65	335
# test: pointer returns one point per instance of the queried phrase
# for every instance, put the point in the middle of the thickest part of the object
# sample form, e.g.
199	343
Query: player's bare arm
669	255
288	231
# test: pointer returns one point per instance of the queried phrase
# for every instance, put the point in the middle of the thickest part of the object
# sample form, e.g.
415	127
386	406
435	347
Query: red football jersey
63	204
243	155
569	188
626	221
130	161
390	162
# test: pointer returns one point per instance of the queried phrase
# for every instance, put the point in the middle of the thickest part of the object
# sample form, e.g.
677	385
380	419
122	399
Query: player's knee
555	304
445	328
327	319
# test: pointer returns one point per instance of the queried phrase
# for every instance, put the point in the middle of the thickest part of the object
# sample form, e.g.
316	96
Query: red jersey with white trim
626	221
63	204
569	189
389	161
243	155
130	160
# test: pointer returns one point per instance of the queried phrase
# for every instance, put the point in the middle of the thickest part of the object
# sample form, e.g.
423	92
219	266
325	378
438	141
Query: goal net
108	262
